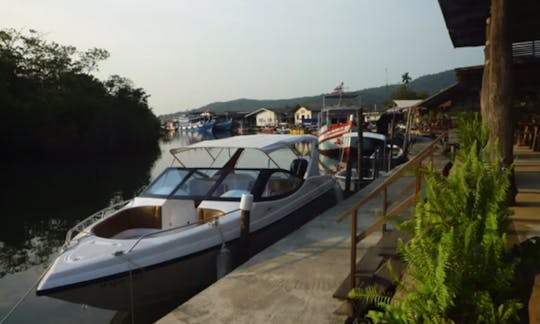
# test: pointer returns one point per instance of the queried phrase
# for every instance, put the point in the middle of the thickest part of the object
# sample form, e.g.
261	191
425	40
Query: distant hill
370	97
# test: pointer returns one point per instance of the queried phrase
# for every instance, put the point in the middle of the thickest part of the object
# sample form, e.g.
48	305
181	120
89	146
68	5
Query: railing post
245	207
353	248
384	206
418	182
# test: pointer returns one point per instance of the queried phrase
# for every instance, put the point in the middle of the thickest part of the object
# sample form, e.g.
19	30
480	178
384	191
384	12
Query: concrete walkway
526	216
293	280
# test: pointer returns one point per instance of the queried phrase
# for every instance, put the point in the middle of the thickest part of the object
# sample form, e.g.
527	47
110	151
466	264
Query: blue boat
223	126
202	123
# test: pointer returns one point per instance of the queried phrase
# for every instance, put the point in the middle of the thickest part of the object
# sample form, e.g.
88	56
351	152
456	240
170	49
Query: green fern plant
471	129
457	254
370	295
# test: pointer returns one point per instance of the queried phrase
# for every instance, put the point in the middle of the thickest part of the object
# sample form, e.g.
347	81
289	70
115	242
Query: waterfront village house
305	115
264	117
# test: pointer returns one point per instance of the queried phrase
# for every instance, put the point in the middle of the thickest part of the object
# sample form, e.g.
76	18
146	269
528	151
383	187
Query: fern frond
370	295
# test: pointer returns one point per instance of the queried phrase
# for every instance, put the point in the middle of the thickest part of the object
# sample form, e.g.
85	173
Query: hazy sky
189	53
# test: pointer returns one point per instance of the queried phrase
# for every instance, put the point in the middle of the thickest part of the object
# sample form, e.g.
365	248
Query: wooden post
393	125
245	206
353	248
496	97
407	137
534	144
359	145
384	206
534	301
418	179
348	170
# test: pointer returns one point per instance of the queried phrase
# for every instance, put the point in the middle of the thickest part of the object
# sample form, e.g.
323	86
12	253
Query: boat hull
181	278
223	126
198	127
331	139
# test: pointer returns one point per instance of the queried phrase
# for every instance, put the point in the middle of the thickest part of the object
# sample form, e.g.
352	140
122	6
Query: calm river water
40	202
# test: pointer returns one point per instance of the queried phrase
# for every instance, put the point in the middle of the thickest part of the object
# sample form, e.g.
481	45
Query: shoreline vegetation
50	103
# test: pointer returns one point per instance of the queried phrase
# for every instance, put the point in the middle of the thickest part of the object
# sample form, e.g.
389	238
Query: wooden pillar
245	207
534	301
354	222
359	146
496	98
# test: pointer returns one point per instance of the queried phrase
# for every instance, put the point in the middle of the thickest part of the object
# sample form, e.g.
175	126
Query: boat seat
276	187
200	187
206	215
141	217
240	181
299	167
175	213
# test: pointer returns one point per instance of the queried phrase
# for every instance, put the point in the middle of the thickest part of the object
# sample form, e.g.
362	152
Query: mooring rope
131	297
133	266
14	307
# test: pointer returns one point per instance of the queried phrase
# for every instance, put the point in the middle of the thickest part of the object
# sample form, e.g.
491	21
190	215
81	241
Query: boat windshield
339	115
179	183
228	172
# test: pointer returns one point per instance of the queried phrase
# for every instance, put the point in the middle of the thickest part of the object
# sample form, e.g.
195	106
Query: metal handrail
419	158
93	218
414	164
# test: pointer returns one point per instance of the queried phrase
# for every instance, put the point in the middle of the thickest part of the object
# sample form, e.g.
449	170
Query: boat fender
223	262
223	258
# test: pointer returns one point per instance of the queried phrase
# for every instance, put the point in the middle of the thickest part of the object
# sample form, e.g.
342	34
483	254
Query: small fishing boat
377	153
171	241
223	125
334	121
204	122
334	124
338	137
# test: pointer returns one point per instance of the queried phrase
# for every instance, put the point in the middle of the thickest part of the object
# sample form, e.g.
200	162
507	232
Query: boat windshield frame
252	163
224	184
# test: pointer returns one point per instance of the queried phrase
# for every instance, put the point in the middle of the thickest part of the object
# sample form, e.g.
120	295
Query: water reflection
43	200
47	198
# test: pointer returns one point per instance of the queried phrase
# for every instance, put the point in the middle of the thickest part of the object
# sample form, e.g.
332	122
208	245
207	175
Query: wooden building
264	117
304	115
510	31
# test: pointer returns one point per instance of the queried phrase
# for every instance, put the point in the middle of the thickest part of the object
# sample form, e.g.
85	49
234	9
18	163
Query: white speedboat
166	243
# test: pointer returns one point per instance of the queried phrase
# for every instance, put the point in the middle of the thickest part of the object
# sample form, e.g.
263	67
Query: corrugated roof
400	104
466	20
258	111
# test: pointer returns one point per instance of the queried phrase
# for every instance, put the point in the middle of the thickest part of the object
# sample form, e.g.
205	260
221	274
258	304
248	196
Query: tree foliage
50	103
406	78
